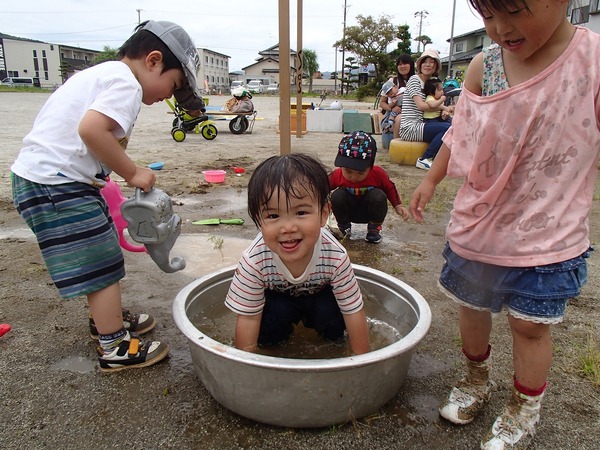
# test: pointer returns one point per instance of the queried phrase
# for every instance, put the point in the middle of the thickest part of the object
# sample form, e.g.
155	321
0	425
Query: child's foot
135	323
132	353
515	428
424	163
465	401
373	234
345	229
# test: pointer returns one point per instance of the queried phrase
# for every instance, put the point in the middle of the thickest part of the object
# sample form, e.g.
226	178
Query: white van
236	84
256	87
21	81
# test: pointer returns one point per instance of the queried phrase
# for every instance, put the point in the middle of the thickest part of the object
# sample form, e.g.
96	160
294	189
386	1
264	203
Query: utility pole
344	49
451	42
139	16
421	14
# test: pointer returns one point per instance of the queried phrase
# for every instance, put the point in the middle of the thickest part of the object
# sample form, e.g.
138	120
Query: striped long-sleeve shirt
260	269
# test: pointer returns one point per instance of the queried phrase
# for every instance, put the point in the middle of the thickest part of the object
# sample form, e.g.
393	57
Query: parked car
256	87
273	89
236	84
21	81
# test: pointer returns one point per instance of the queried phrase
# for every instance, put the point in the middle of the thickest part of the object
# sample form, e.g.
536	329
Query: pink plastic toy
4	328
114	198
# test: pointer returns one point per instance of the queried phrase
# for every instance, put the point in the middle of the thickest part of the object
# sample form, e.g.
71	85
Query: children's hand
402	211
143	178
419	200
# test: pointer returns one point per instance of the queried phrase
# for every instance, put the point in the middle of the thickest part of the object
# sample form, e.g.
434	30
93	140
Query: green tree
311	65
349	78
369	41
403	47
107	54
424	39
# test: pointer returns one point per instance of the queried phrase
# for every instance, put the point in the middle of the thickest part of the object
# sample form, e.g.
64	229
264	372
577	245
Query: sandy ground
53	395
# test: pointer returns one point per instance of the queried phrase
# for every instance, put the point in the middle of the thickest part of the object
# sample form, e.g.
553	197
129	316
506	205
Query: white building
52	64
214	71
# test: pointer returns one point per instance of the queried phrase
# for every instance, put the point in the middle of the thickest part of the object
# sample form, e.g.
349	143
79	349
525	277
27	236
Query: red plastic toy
4	328
114	198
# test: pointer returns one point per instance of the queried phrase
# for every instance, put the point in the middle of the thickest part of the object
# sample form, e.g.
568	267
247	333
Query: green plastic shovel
219	221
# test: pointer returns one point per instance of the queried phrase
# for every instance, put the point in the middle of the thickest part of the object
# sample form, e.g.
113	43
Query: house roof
470	33
15	38
262	60
463	56
274	50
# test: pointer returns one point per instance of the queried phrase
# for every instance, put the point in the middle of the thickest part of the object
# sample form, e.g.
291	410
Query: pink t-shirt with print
529	156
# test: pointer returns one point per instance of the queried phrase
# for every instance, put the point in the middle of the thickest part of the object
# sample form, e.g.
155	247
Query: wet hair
406	59
430	86
291	175
143	42
499	5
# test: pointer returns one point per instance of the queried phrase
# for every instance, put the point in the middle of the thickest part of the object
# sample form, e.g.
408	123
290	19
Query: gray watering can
151	222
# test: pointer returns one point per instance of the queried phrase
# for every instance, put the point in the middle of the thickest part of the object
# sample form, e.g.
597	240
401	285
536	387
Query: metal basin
305	392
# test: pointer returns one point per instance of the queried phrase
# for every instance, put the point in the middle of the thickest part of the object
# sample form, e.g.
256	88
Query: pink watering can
114	198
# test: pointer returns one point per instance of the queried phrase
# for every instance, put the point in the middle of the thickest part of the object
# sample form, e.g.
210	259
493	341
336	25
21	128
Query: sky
236	28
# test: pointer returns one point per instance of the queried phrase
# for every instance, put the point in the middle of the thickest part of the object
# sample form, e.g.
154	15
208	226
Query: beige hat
429	53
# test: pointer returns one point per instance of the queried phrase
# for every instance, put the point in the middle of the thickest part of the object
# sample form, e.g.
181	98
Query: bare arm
426	189
474	75
246	332
384	103
96	130
358	332
422	104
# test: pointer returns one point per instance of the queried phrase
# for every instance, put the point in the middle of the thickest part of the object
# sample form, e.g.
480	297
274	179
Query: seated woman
405	68
412	126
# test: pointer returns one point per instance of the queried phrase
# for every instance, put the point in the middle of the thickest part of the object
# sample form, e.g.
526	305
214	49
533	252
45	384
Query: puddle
424	366
74	364
206	252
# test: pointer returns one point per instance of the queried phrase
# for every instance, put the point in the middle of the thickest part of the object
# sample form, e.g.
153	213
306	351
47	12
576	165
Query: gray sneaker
465	401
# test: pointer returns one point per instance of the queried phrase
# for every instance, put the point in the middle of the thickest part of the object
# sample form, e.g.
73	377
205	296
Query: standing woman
412	126
405	68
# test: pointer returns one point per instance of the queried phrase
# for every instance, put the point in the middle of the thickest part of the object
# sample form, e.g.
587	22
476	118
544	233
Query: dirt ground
53	395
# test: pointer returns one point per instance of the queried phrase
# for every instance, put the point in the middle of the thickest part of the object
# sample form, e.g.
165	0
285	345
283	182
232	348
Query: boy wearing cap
361	189
78	138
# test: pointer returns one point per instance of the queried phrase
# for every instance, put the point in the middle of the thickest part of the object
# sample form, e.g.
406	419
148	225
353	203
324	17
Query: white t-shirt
53	152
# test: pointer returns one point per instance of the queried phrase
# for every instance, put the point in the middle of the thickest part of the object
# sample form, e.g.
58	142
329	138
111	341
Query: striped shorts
75	233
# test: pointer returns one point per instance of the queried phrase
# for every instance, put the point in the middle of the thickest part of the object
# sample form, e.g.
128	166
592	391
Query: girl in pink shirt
518	233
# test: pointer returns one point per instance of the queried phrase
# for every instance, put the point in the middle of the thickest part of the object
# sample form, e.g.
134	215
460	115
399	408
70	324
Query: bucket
214	176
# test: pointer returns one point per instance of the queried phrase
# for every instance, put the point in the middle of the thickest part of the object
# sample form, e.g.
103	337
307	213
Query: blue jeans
538	293
433	131
319	311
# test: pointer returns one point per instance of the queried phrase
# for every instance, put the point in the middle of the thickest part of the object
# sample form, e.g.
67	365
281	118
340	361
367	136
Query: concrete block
324	120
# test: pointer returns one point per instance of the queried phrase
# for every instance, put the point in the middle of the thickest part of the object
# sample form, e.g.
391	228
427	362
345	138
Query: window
580	15
459	47
35	53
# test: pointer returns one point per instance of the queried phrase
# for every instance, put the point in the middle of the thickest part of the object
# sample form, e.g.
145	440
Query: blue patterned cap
356	151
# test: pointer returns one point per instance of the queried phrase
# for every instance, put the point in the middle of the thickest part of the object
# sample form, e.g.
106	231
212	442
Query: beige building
267	65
